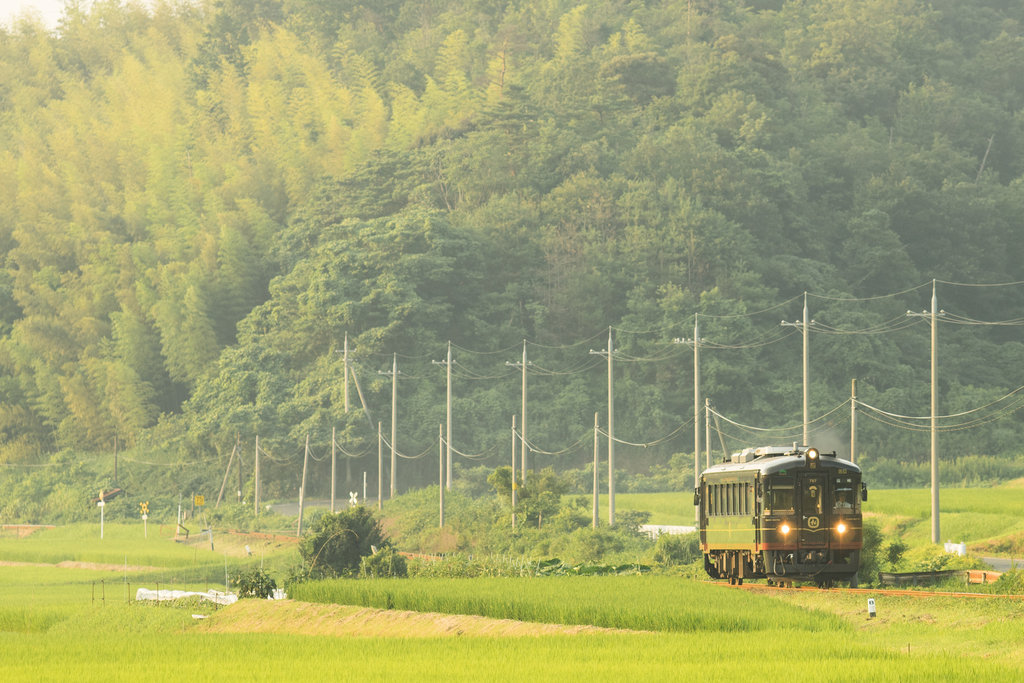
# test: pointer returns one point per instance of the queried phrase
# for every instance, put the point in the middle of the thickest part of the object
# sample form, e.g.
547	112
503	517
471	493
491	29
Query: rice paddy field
55	625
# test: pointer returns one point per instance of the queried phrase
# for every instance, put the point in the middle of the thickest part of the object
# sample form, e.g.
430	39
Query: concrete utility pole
522	429
696	403
256	480
302	487
440	473
933	318
380	468
597	479
334	465
448	412
610	353
804	327
394	421
345	356
707	435
853	420
515	440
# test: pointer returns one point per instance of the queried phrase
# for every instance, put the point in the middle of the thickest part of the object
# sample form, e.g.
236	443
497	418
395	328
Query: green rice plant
180	654
654	603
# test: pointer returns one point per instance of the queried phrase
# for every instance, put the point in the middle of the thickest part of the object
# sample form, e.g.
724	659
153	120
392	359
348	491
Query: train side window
780	495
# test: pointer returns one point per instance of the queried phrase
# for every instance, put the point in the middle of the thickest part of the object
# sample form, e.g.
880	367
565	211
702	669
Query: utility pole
522	429
515	439
256	480
227	472
597	479
933	317
302	487
696	403
380	468
853	420
804	326
115	460
609	353
394	420
334	465
448	411
707	435
440	472
348	461
345	356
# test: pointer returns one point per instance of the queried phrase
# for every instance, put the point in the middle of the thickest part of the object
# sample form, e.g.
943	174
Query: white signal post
101	505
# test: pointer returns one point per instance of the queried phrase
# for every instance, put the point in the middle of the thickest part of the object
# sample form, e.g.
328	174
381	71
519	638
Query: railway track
878	591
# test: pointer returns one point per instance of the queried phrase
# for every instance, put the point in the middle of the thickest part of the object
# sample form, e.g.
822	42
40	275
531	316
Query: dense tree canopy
199	202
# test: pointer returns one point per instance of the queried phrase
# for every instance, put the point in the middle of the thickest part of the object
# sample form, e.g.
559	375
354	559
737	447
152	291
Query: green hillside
199	203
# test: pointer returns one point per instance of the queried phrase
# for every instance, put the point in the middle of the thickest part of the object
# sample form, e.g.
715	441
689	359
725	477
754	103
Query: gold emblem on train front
813	523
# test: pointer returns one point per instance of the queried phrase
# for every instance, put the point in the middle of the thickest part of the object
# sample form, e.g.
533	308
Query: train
781	513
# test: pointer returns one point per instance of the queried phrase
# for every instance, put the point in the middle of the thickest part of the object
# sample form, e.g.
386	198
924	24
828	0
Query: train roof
774	459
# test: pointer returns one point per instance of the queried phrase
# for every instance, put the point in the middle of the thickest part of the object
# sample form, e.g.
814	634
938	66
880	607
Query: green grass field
53	626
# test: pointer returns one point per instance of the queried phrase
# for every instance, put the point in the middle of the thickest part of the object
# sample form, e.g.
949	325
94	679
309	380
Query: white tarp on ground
165	594
655	530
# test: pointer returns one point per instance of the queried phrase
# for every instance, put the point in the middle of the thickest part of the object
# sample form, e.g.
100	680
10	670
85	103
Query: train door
814	521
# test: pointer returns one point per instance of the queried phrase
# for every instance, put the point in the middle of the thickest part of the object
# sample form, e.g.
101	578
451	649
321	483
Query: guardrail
929	578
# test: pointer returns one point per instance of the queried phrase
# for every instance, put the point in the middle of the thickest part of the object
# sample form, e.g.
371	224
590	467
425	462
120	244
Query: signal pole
804	326
609	353
933	318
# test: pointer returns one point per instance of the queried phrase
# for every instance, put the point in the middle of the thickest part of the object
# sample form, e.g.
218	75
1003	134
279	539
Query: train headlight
841	528
812	453
784	528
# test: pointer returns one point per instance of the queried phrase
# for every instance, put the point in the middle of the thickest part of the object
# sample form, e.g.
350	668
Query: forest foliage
199	201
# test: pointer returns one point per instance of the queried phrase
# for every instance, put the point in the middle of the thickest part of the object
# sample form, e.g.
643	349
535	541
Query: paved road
1003	564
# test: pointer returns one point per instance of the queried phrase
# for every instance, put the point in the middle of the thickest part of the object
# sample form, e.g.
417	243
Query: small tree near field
337	543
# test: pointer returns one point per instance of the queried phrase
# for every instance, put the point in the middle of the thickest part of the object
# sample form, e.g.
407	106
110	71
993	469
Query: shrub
337	543
255	583
383	563
677	549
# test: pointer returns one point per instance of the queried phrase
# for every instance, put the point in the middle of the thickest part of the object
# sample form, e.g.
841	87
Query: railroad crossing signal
144	508
353	498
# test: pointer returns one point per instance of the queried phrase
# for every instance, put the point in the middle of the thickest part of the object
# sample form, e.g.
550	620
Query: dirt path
307	618
70	564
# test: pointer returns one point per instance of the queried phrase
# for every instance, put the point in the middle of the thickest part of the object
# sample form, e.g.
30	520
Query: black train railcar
783	514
